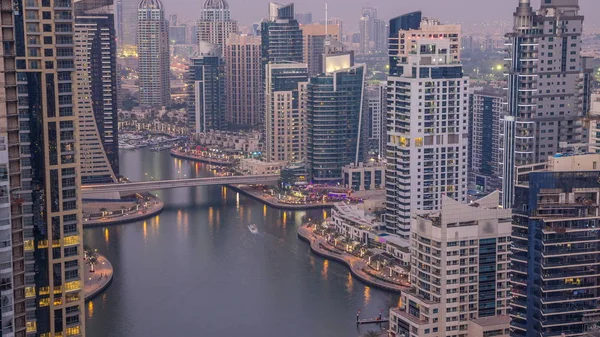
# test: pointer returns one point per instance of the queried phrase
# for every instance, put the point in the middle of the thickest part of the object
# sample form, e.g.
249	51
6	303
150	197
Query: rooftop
492	321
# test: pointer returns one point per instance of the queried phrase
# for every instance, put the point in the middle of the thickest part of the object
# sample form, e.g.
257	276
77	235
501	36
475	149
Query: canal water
196	270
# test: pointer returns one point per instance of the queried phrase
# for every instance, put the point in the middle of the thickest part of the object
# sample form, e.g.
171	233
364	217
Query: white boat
252	228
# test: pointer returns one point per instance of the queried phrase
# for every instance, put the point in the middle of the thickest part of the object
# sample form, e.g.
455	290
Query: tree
91	258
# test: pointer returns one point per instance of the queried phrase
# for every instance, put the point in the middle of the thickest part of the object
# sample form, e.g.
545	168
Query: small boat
252	228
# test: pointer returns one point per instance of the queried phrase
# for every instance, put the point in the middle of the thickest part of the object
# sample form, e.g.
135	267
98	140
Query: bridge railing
173	183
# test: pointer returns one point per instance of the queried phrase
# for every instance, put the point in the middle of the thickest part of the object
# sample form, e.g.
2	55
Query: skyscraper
215	23
486	109
334	118
12	271
44	169
153	53
548	86
94	26
459	273
281	36
206	87
372	32
556	248
178	33
243	89
314	45
127	18
427	121
375	116
285	115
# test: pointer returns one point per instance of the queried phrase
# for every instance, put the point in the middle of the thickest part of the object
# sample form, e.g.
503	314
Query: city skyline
443	179
487	10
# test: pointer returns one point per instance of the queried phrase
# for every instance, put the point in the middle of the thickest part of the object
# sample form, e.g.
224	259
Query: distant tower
127	17
153	52
215	24
372	32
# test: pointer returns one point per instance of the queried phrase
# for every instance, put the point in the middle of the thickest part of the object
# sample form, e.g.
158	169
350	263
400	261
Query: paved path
212	161
156	206
275	203
355	263
99	280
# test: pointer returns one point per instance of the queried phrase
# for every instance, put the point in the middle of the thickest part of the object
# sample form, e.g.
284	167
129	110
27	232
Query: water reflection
208	272
145	231
325	268
90	309
349	284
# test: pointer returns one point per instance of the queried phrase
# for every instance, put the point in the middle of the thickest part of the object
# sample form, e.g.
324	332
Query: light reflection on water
197	265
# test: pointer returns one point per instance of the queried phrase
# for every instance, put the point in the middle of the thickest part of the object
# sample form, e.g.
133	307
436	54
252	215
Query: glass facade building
281	36
206	97
556	249
95	29
334	119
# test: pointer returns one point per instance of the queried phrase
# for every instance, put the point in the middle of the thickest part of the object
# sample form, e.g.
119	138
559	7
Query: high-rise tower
127	18
95	40
153	52
281	36
215	23
548	86
43	168
334	118
206	88
285	115
427	120
243	88
556	248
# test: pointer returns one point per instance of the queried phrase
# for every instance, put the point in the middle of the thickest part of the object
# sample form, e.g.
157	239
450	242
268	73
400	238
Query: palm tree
91	258
371	333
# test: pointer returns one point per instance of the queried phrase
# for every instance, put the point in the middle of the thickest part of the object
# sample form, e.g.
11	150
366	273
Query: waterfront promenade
99	280
155	206
275	203
182	155
358	267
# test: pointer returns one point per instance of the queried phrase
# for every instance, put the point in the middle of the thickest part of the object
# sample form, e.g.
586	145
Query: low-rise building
362	226
294	175
256	167
242	141
365	176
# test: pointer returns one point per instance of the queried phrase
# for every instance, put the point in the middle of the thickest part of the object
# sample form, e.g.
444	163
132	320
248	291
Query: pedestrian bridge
154	185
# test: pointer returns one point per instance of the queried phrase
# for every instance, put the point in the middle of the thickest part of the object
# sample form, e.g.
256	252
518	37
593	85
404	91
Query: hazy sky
248	11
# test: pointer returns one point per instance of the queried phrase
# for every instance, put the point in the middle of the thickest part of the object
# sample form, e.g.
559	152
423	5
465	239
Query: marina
156	142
